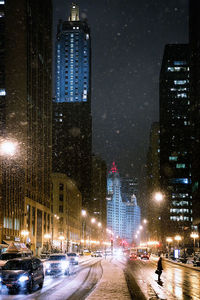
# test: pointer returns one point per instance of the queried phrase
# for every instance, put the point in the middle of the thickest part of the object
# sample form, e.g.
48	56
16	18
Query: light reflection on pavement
178	282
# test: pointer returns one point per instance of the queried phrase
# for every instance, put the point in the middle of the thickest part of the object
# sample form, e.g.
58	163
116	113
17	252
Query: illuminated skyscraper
72	125
175	139
116	208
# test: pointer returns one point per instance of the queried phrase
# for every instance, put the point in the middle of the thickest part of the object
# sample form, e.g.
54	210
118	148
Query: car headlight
23	278
64	265
47	265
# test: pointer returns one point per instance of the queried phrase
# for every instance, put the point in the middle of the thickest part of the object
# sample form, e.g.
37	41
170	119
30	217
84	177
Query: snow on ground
112	284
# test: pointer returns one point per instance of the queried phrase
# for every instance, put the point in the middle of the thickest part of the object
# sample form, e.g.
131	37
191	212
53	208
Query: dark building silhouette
99	189
25	116
175	140
194	42
153	180
72	123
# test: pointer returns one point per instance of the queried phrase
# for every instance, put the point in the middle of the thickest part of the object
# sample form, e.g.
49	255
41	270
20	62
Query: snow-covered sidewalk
112	284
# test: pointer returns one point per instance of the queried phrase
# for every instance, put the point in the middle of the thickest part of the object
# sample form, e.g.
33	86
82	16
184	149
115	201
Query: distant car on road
97	254
73	258
57	263
22	273
133	256
144	256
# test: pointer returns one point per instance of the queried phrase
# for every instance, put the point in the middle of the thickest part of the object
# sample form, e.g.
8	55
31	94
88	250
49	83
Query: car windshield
57	257
17	265
71	254
7	256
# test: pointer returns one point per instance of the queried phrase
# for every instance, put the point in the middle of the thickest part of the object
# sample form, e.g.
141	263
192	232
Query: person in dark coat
159	268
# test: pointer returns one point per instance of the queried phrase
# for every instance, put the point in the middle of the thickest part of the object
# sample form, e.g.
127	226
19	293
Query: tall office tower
175	139
116	208
153	180
194	40
25	78
129	187
72	126
2	66
99	189
133	219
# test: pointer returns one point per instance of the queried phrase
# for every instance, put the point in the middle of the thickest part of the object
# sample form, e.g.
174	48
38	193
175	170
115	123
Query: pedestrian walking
159	268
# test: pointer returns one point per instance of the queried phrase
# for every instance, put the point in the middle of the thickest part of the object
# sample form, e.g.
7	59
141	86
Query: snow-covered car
57	263
73	258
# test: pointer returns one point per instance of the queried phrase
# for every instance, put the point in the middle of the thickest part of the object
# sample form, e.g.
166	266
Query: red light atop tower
113	168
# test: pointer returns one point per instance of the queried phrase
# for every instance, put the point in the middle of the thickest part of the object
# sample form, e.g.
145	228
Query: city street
178	282
75	286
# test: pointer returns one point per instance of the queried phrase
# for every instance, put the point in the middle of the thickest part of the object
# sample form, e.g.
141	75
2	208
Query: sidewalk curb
181	264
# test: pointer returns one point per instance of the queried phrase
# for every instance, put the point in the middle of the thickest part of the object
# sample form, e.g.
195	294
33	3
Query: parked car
22	273
57	263
73	258
14	250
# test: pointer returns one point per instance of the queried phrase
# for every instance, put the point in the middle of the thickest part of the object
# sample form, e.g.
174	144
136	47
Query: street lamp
24	234
47	237
8	148
158	196
93	220
178	238
195	236
61	238
83	213
145	221
99	224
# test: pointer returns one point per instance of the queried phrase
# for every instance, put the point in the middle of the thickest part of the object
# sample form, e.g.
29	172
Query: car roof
58	254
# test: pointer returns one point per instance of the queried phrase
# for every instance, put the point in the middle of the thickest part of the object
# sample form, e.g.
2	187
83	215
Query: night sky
128	39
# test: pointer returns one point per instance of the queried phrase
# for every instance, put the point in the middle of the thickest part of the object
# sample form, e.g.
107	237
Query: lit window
173	158
2	92
180	166
180	82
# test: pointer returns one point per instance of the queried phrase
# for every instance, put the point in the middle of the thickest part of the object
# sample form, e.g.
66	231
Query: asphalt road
60	287
178	282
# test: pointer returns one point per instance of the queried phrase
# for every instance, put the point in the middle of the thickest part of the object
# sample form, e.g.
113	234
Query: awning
5	242
3	246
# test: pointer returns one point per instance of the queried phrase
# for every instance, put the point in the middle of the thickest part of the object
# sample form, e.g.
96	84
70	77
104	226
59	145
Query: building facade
133	220
26	119
175	140
67	205
72	122
194	44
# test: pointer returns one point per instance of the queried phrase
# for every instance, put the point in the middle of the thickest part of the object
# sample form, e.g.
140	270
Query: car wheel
41	283
30	286
67	272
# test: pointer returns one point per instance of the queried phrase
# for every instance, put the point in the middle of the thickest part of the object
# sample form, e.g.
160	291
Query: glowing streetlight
47	236
178	238
8	148
169	240
93	220
158	196
83	213
141	227
99	224
24	234
195	236
145	221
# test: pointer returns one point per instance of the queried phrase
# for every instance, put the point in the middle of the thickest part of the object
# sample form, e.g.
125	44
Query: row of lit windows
180	203
178	211
181	218
178	69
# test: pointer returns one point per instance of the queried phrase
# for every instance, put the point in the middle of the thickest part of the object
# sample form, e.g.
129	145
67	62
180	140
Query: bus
142	252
